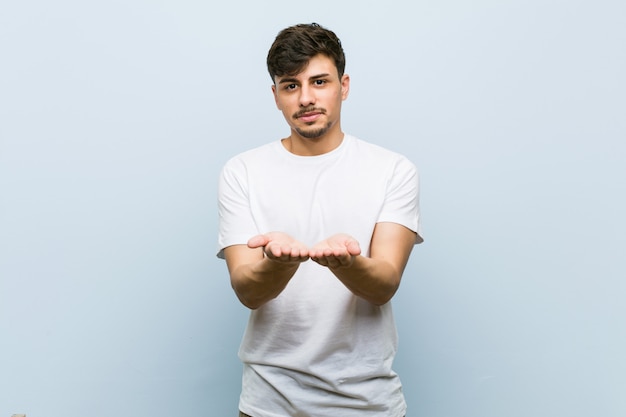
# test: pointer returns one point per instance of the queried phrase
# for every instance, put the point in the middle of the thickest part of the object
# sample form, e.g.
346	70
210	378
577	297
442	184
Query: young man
316	230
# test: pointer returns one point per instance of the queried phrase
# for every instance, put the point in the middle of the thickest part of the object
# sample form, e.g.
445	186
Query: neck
299	145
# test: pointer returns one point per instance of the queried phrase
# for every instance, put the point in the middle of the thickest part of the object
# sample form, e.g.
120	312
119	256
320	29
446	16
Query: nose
307	96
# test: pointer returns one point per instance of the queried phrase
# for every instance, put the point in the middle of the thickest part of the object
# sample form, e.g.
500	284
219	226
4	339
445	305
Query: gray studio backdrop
116	116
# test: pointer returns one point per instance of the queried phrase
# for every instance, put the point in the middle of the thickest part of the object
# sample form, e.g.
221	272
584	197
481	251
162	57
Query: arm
260	270
375	278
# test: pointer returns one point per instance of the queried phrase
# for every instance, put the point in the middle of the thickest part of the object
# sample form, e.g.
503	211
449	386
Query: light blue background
116	116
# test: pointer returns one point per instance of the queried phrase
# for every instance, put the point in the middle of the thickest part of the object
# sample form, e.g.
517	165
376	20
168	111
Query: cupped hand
280	247
336	251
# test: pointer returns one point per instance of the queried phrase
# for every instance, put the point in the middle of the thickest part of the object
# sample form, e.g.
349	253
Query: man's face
311	100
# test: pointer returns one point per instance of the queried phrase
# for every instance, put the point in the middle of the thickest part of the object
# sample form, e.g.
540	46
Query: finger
353	248
335	262
258	241
273	251
321	261
299	253
285	253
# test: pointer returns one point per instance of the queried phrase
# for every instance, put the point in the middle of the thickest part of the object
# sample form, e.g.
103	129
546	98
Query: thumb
353	248
258	241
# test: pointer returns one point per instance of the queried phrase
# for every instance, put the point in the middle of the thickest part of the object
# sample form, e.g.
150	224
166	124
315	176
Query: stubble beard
315	133
311	132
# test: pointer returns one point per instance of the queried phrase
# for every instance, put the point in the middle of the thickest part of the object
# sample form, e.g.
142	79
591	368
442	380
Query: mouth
309	116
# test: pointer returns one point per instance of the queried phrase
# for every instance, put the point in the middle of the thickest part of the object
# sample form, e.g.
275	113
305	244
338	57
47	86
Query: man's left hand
335	252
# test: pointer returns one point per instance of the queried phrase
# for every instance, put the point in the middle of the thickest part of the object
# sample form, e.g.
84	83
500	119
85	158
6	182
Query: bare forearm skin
259	282
374	280
376	277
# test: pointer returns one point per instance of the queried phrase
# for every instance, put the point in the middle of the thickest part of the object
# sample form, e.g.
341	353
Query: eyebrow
292	80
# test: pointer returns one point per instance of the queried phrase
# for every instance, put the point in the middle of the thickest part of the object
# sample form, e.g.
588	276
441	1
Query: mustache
306	110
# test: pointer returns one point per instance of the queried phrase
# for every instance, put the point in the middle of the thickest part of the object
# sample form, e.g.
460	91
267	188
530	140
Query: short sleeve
402	198
236	223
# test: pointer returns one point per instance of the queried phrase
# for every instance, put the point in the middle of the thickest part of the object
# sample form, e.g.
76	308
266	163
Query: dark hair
296	45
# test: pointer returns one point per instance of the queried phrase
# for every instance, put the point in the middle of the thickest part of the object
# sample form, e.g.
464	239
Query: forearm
259	282
374	280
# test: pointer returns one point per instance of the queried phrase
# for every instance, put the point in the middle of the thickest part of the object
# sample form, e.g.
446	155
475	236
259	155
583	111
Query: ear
345	86
275	97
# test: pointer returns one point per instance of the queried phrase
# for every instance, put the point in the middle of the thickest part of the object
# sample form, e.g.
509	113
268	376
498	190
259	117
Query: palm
280	247
336	251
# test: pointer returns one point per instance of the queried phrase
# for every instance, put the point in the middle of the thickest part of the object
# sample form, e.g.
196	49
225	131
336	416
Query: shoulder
377	154
249	157
250	154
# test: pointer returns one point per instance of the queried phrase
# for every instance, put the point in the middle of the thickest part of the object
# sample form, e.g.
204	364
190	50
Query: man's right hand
280	247
260	270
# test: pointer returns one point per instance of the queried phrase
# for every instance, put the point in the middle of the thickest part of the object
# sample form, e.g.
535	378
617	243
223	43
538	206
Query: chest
314	202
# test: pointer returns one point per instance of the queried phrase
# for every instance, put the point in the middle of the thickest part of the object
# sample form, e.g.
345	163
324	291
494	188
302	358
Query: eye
291	87
319	82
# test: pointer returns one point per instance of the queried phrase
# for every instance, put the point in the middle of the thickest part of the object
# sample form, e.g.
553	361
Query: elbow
248	300
382	299
250	297
383	294
250	304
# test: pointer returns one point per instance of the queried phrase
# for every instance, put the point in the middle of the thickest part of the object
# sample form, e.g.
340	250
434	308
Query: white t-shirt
317	349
